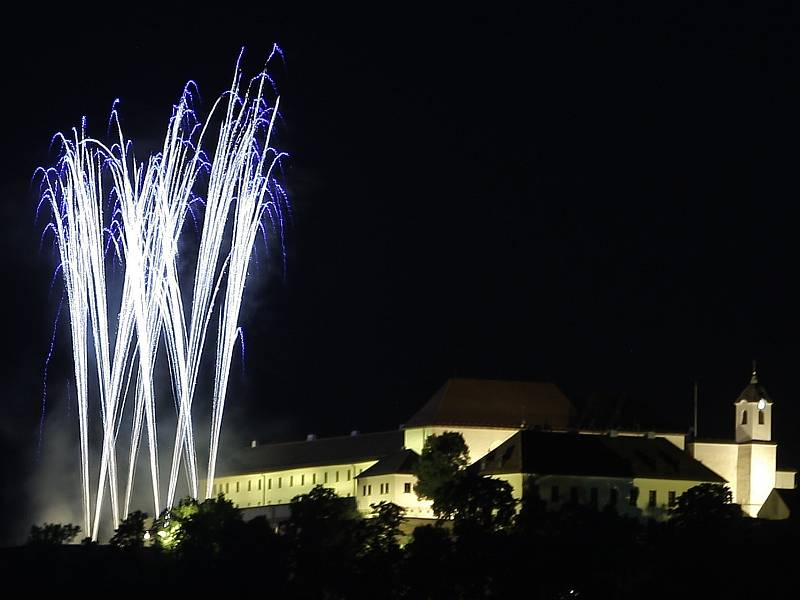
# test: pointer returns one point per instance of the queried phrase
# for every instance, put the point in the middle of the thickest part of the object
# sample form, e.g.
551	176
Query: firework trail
44	379
138	223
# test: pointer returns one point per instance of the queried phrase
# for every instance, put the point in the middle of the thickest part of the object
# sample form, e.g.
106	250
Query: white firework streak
134	187
57	191
151	201
255	166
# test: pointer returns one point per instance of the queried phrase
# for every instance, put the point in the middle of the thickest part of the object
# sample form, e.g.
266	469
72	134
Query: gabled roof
404	461
494	403
324	451
554	453
790	498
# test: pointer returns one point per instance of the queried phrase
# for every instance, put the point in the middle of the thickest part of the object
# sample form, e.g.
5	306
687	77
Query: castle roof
323	451
555	453
494	403
791	499
753	393
754	390
403	461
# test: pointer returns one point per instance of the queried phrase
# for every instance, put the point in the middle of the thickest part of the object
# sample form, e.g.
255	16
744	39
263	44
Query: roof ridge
320	439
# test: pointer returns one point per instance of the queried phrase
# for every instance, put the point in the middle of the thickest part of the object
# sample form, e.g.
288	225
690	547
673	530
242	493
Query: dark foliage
442	461
327	550
52	534
707	504
131	532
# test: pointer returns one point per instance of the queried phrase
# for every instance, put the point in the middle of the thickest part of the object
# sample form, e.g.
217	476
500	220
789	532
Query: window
291	480
259	485
554	494
279	481
761	417
249	485
337	476
744	417
613	496
303	479
237	487
369	490
634	497
407	488
652	500
348	474
325	477
227	487
573	494
364	491
671	499
594	493
313	479
269	483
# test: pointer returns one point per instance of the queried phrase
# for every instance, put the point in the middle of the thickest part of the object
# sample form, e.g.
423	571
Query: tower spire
754	376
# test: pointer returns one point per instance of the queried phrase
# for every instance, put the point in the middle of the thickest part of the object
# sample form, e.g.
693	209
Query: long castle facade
520	432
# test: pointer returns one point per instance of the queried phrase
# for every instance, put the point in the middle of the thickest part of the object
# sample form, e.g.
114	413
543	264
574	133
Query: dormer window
744	417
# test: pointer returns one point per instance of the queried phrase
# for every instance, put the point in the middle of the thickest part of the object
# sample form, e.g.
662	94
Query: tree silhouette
52	534
705	504
325	535
443	458
131	532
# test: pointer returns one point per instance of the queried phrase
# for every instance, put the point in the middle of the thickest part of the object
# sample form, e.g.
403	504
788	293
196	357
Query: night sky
604	199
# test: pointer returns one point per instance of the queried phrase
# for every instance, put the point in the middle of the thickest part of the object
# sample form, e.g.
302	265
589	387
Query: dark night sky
606	199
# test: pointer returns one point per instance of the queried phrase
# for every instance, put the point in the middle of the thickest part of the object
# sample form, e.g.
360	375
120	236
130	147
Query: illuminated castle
749	462
518	432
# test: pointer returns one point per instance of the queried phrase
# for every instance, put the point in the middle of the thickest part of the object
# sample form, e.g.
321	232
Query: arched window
744	417
761	417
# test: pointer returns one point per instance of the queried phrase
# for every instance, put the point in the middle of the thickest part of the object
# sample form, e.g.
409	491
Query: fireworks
107	208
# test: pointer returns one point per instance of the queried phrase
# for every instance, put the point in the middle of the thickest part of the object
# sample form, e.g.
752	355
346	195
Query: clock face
762	404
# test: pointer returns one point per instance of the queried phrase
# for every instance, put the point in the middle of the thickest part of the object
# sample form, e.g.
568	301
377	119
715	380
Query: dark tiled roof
404	461
491	403
753	393
791	498
324	451
550	453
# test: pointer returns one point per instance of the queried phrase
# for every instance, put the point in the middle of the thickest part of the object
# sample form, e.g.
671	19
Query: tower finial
754	376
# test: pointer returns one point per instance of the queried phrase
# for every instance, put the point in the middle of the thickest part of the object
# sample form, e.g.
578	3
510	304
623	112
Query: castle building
519	432
749	461
637	476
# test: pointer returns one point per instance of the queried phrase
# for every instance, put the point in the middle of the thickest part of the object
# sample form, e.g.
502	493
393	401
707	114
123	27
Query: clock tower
753	413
